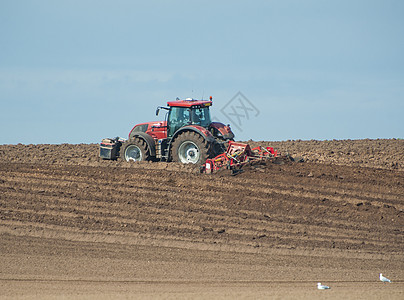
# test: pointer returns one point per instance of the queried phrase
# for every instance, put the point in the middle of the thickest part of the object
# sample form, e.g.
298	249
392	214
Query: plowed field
73	225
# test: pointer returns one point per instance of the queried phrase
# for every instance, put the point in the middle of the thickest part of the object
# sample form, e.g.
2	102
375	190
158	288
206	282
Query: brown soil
73	225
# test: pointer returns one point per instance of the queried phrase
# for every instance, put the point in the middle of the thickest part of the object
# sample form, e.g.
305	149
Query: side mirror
157	111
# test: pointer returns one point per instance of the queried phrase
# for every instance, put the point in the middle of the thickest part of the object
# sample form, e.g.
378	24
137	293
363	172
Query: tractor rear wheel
135	150
190	147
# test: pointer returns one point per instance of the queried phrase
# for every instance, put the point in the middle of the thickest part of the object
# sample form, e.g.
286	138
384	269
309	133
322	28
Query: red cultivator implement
236	156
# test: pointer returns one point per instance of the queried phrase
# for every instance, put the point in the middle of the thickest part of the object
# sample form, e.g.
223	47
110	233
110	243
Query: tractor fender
149	141
198	129
195	128
224	130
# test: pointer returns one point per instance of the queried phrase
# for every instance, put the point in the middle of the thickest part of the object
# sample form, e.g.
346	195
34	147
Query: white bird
384	279
322	287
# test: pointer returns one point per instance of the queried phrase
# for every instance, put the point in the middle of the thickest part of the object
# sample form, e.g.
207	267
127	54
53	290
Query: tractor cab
187	112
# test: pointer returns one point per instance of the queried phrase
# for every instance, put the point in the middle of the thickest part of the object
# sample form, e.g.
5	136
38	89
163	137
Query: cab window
177	118
201	116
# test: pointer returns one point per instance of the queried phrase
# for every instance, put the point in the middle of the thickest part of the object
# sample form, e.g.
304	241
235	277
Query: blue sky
79	71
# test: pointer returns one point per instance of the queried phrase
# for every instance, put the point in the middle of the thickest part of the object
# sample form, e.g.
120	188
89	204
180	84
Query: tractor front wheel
190	147
135	150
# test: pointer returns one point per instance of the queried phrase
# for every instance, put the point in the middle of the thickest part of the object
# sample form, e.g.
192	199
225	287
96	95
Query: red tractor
187	135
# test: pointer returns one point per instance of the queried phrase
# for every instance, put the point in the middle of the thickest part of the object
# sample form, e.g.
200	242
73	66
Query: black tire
135	150
190	147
